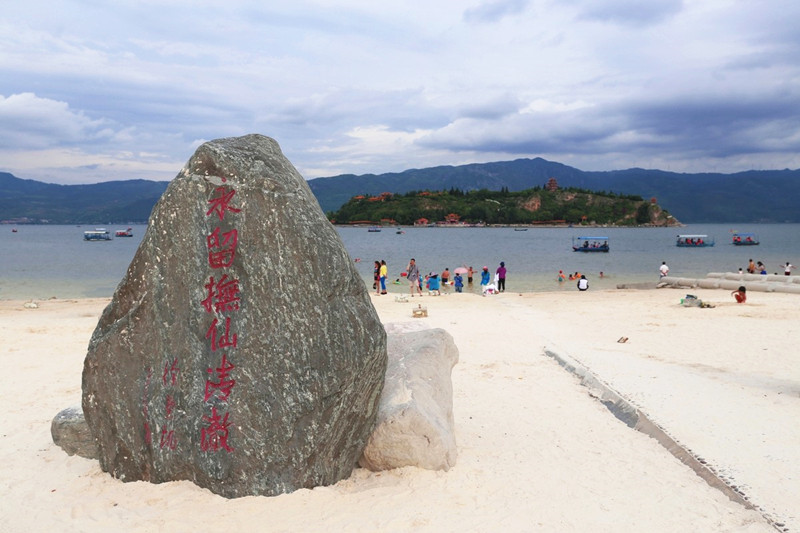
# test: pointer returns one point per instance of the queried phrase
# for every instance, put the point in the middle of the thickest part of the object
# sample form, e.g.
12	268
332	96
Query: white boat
98	234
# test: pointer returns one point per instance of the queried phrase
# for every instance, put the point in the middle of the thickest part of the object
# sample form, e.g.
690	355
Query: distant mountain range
751	196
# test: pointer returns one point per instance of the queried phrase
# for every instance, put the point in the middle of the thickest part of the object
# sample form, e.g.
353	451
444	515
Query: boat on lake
590	244
744	239
373	229
124	233
694	241
98	234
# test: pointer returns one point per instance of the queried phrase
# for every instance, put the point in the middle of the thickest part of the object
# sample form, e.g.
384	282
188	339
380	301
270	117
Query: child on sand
740	295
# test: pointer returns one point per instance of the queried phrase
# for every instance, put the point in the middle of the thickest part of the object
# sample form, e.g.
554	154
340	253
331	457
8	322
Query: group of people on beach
435	282
761	268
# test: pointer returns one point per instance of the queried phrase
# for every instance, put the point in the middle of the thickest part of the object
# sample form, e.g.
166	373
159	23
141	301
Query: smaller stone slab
415	424
71	432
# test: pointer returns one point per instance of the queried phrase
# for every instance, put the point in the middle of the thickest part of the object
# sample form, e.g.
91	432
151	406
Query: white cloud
30	122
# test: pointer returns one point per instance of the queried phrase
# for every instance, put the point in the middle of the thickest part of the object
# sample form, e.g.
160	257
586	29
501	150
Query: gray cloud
628	12
494	10
366	88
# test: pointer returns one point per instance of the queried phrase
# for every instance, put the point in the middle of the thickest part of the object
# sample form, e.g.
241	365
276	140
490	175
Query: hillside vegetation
532	206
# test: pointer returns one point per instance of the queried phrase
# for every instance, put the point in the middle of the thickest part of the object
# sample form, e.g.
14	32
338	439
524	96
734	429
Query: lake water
39	262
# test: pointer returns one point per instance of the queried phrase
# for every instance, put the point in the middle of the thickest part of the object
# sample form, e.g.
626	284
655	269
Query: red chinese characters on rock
214	436
222	248
222	203
223	385
223	340
222	297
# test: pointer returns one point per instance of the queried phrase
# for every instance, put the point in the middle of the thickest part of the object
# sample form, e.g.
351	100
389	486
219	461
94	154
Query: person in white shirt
663	269
583	283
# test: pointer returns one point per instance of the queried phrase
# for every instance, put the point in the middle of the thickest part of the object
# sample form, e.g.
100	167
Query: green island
548	205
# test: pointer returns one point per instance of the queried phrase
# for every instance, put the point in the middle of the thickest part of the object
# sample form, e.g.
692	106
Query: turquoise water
54	261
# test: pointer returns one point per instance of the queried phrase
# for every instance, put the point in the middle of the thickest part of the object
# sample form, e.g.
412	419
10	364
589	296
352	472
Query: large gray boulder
415	424
241	350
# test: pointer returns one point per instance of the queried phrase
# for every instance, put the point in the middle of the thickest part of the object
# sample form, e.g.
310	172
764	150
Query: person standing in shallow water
501	277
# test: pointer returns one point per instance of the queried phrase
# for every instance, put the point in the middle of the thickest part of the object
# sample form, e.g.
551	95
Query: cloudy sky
93	90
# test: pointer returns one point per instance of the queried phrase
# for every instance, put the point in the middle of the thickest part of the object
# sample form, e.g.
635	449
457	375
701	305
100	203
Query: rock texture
240	351
71	432
415	419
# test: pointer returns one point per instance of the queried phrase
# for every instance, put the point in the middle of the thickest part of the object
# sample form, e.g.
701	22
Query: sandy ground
536	451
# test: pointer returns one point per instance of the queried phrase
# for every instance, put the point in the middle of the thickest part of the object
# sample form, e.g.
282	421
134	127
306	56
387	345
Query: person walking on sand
583	283
501	277
384	272
663	270
412	273
376	277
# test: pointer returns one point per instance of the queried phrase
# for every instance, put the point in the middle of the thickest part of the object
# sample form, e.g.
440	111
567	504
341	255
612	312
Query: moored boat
374	229
744	239
694	241
590	244
98	234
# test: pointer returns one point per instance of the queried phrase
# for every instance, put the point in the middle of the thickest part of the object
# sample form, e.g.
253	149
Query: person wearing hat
485	277
501	277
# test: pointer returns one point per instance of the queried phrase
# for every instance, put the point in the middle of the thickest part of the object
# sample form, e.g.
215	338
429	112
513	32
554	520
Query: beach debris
30	305
622	339
222	359
415	425
419	312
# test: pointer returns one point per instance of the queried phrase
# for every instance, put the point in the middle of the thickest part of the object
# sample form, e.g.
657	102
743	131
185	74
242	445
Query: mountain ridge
763	196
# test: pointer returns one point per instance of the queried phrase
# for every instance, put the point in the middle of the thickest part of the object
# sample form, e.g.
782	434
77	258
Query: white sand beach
537	452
